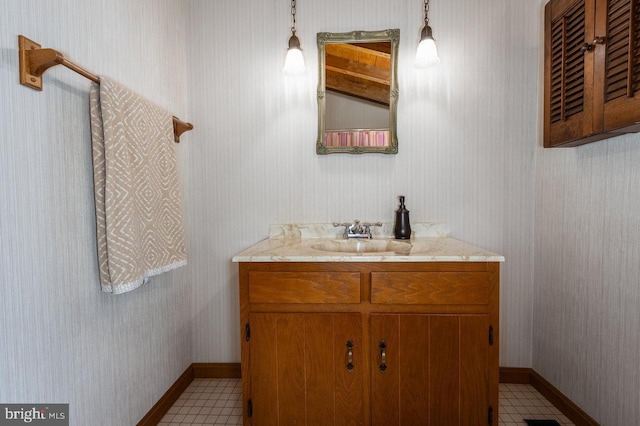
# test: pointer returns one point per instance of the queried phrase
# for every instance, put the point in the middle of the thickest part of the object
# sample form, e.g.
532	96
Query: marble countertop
324	243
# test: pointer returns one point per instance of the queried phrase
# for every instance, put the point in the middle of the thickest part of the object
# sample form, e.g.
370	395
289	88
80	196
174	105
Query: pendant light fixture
427	54
294	62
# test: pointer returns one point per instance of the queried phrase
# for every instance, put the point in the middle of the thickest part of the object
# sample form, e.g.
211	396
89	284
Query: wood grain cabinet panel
300	372
304	287
370	343
436	369
430	288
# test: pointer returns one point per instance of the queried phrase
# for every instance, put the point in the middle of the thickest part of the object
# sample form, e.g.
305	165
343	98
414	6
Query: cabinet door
568	86
300	372
430	369
618	62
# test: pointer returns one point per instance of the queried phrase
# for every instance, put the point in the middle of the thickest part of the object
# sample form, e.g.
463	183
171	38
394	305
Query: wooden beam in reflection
362	70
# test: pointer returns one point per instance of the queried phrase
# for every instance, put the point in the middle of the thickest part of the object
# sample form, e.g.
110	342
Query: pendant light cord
293	15
426	12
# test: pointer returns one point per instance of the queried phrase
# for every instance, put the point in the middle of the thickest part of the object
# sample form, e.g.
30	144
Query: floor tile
219	402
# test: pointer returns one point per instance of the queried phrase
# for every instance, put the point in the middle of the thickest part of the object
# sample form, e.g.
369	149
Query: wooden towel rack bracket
35	60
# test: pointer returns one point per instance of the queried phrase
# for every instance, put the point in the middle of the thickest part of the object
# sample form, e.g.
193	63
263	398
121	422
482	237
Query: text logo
34	414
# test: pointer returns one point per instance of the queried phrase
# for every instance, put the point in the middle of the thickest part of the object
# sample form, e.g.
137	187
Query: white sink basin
363	246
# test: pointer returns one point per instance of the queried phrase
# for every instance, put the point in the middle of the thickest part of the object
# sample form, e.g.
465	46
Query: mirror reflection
357	92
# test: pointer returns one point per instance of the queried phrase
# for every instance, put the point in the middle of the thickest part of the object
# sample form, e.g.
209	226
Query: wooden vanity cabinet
437	369
592	70
300	370
380	343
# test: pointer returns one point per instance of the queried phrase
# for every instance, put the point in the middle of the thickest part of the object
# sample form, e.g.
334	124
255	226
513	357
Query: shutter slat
617	66
567	79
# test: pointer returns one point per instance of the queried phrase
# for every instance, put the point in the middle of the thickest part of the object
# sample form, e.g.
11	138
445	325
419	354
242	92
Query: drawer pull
349	356
383	356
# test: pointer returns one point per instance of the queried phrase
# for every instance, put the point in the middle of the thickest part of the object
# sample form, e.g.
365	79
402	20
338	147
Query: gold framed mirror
358	92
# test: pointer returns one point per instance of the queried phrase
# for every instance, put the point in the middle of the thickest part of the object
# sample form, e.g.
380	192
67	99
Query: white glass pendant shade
294	62
427	54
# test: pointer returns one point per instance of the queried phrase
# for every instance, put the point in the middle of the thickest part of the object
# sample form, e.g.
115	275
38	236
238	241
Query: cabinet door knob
586	48
349	356
383	356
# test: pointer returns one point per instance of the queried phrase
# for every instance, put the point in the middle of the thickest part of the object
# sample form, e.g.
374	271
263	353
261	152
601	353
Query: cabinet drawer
304	287
430	288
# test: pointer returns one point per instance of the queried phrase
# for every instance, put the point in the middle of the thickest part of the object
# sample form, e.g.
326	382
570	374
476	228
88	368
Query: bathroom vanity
376	332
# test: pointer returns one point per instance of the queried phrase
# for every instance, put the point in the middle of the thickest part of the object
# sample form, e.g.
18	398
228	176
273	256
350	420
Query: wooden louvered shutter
568	71
567	64
621	66
592	70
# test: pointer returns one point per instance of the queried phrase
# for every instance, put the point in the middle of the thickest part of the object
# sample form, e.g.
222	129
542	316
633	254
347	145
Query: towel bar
35	60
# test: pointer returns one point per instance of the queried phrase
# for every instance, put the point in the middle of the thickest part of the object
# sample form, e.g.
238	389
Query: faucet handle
367	224
367	227
347	227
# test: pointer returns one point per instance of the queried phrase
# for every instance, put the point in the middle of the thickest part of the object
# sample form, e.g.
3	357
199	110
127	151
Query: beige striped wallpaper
469	156
61	339
587	276
586	329
467	135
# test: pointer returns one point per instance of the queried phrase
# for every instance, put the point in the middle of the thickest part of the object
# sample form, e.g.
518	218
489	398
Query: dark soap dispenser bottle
402	230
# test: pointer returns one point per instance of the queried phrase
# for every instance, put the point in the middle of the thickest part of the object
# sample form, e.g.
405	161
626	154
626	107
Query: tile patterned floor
218	402
207	402
518	402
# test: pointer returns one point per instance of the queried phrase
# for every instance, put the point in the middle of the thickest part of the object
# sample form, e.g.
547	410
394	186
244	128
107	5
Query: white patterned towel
139	222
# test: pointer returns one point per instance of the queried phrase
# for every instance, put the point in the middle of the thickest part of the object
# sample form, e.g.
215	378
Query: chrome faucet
356	229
